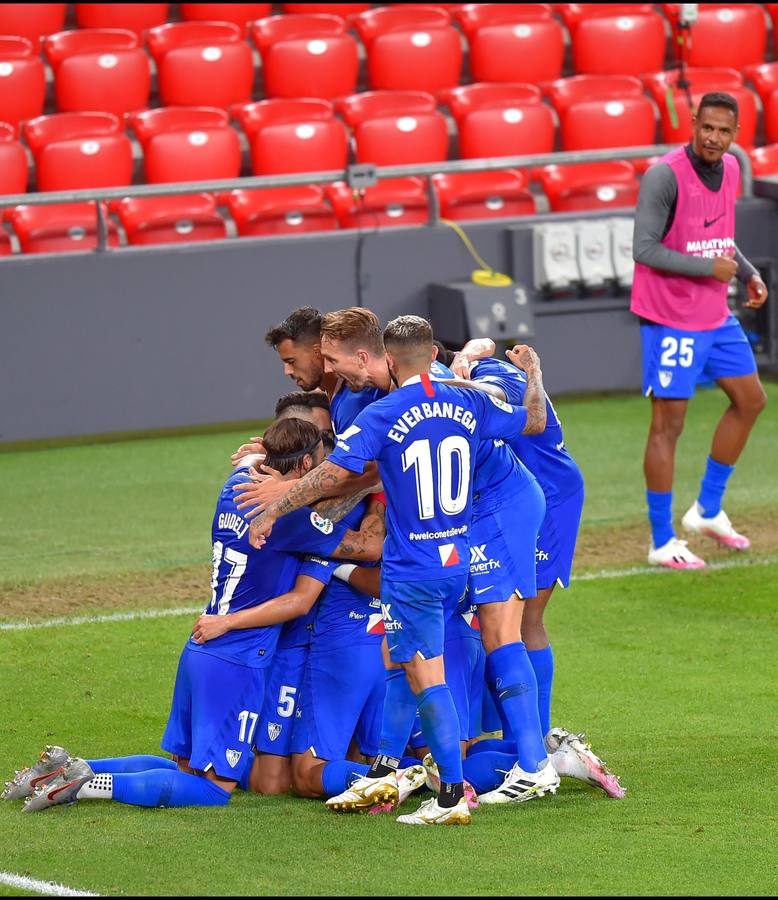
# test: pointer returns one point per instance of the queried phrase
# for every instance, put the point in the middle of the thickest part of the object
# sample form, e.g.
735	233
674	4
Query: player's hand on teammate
523	357
259	530
206	628
724	268
757	293
460	366
266	486
255	446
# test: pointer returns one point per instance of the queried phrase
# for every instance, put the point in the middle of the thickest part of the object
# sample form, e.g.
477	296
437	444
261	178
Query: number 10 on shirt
419	457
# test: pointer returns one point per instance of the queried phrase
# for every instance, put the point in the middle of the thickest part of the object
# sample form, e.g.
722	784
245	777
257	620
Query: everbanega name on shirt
434	410
711	247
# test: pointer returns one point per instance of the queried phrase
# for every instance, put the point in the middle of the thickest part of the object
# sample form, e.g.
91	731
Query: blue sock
712	487
440	723
493	745
340	774
490	677
399	714
517	688
486	771
141	763
543	663
660	515
162	787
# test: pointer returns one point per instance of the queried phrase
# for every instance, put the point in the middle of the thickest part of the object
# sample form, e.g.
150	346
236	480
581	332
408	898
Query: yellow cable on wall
485	276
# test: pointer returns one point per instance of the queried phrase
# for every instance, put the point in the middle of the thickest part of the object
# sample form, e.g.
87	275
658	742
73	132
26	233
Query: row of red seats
91	150
293	210
408	48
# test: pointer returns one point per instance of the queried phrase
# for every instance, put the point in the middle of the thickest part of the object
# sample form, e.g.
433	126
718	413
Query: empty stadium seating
590	186
61	227
239	14
201	63
286	210
306	56
724	35
392	202
136	17
13	162
771	118
168	220
764	160
186	143
99	69
22	81
410	48
79	150
293	136
483	195
396	127
523	50
472	16
619	44
32	20
575	13
764	77
344	10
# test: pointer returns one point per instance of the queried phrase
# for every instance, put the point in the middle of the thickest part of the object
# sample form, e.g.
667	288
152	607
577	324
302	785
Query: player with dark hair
685	256
305	404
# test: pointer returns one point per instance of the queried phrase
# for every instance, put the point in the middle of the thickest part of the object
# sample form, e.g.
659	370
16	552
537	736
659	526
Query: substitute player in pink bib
685	256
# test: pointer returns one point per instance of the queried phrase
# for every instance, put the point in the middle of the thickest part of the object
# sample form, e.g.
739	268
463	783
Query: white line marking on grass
23	883
193	610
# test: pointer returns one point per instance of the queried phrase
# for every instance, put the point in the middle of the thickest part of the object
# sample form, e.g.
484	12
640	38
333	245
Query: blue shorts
343	697
502	548
415	614
675	361
214	714
281	701
556	541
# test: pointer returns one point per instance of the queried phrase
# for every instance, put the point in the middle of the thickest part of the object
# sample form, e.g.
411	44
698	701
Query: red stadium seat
472	16
344	10
619	45
725	35
396	127
61	227
286	210
79	150
22	81
13	162
590	186
468	97
530	51
170	220
764	160
240	14
187	143
770	119
764	77
99	69
293	136
410	48
598	124
392	202
567	92
32	20
306	56
202	64
702	80
5	242
506	128
574	13
136	17
484	195
772	11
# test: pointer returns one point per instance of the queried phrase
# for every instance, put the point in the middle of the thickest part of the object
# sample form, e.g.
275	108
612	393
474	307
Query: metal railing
357	176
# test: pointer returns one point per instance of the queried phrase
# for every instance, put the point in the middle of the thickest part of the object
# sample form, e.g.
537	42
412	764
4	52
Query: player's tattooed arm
482	386
336	508
525	358
324	479
367	543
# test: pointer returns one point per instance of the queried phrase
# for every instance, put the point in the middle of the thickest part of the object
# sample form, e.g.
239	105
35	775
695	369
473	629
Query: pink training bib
704	225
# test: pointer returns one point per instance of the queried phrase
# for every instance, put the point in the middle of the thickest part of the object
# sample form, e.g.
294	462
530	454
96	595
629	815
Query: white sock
99	788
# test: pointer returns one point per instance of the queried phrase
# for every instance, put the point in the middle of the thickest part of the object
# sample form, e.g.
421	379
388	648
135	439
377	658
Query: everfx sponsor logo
480	561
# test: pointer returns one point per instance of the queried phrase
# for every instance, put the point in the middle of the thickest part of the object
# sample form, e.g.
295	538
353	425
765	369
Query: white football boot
572	756
520	785
717	527
63	788
408	781
365	793
674	555
432	813
51	761
432	780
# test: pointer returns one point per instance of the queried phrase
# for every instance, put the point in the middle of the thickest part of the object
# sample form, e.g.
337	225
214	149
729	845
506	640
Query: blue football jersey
545	454
346	405
424	437
244	577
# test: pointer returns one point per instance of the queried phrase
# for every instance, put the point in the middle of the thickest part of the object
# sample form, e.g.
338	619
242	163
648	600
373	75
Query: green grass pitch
673	676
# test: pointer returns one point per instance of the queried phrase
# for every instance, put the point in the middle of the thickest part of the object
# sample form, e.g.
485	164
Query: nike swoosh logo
708	222
484	589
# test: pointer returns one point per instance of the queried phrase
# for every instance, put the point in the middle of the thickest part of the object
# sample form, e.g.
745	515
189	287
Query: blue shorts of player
503	541
214	728
282	694
674	360
556	541
343	696
415	614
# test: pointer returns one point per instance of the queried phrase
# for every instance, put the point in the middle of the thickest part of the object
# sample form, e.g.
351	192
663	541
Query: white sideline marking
23	883
193	610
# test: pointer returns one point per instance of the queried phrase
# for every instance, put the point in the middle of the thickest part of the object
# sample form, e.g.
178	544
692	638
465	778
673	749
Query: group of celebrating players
382	559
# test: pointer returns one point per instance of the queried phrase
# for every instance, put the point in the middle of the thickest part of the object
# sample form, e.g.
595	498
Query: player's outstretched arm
297	602
526	359
361	578
324	479
482	386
